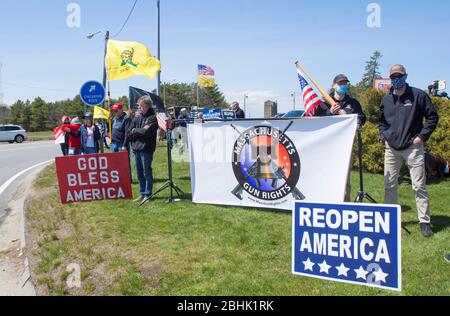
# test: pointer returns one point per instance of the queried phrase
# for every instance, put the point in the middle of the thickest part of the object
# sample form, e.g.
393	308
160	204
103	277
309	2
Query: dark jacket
120	129
144	139
348	104
240	114
401	118
84	135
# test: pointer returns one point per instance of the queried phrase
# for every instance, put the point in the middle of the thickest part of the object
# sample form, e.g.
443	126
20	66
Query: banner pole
322	91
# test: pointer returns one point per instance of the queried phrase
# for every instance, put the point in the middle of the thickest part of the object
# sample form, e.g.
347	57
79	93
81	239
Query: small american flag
162	121
204	70
310	98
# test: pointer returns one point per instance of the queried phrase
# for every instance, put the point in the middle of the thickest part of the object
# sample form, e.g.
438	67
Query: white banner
271	164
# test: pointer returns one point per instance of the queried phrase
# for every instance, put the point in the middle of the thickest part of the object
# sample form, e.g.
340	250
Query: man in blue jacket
404	133
120	128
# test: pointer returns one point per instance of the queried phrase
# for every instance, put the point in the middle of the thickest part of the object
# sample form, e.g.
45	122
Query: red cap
65	118
117	107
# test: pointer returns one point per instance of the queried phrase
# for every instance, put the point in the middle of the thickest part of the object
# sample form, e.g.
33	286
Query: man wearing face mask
404	133
344	104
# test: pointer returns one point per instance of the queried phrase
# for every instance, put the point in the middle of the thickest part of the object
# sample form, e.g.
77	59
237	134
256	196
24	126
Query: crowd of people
131	131
401	125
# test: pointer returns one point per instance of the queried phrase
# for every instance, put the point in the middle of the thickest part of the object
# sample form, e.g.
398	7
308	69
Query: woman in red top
74	141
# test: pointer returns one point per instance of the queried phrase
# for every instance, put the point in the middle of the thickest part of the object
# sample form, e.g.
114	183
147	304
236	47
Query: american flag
162	121
310	98
204	70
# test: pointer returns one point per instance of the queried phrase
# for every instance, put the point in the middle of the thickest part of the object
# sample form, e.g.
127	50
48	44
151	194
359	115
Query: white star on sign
361	273
342	270
324	267
308	265
380	276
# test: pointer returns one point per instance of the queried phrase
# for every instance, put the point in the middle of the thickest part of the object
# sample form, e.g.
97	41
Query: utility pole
1	84
245	103
158	89
293	97
104	68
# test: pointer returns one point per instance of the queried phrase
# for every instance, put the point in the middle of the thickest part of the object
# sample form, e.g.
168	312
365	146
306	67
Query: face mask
399	83
342	89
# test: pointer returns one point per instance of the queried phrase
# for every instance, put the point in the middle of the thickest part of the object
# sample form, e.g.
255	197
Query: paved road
17	157
16	177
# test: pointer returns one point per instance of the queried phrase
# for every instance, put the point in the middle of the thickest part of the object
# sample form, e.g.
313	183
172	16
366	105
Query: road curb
26	280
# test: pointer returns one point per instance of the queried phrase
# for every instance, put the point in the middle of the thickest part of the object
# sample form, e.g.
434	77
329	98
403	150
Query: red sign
94	177
382	84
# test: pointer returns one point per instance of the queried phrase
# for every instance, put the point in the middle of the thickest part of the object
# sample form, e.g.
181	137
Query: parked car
294	114
12	133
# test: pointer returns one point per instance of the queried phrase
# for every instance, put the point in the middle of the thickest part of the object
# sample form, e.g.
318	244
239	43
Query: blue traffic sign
352	243
92	93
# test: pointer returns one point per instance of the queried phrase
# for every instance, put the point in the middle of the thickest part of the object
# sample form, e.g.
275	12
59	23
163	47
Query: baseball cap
65	118
117	106
397	69
88	116
339	78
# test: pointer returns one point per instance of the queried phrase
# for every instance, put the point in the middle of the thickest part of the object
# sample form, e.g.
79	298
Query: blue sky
252	44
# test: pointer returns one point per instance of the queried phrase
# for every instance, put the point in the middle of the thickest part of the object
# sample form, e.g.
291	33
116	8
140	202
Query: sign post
351	243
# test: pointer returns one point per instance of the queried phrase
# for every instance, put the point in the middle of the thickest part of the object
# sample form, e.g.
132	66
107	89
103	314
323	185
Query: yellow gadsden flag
101	113
127	59
206	82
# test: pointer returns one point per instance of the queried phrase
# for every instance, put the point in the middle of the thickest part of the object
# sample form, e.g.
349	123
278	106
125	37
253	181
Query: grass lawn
37	136
186	249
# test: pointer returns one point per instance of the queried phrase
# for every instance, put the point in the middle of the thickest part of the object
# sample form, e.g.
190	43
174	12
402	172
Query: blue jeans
144	172
117	148
89	150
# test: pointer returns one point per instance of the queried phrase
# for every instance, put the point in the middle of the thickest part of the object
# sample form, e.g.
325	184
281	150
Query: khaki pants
414	156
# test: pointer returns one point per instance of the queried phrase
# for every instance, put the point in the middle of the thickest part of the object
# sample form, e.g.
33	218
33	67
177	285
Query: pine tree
372	70
214	98
39	115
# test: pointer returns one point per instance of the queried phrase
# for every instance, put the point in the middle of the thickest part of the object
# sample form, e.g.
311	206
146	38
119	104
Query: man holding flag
339	103
344	104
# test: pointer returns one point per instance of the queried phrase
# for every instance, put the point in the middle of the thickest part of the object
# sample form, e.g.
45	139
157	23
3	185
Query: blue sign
92	93
229	115
352	243
209	114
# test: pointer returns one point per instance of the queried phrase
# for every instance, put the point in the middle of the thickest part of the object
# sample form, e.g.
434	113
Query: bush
439	143
373	150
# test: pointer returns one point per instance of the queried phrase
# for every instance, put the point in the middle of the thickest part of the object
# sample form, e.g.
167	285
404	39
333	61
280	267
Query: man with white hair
240	114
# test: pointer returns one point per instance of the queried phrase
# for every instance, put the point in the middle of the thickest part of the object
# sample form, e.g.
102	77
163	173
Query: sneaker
447	257
145	201
426	230
139	199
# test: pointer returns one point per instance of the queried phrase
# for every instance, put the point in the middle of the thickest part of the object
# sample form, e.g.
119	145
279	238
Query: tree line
39	115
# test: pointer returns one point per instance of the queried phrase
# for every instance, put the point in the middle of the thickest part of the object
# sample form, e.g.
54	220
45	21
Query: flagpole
198	98
159	47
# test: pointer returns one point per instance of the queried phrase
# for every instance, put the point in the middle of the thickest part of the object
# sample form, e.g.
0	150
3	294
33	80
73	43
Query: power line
34	87
126	21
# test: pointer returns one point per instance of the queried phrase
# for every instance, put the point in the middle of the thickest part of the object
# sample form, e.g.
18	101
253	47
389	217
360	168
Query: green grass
38	136
187	249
